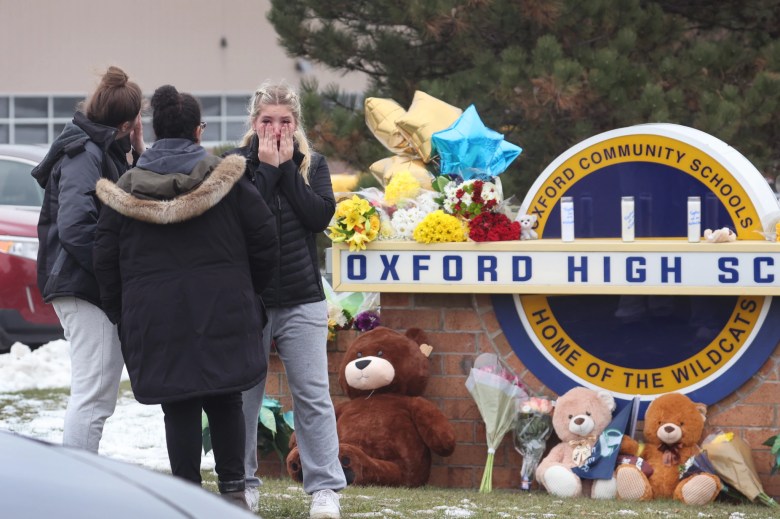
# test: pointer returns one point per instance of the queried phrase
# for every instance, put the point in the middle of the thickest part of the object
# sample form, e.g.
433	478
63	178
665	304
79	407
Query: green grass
282	498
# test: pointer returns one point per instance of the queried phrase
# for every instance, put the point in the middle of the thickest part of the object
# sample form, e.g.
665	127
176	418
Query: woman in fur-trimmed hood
184	244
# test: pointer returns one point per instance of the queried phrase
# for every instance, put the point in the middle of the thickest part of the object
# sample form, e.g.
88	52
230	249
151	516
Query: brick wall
461	326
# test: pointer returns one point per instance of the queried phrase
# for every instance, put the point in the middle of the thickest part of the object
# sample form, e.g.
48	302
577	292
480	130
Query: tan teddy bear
673	428
580	416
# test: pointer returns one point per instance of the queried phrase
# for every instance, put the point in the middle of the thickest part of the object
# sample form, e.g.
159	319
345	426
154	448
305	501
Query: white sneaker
252	495
325	505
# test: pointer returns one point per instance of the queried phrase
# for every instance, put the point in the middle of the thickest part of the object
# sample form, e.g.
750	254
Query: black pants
183	436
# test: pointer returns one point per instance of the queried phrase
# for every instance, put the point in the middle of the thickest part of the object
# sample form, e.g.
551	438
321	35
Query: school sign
644	318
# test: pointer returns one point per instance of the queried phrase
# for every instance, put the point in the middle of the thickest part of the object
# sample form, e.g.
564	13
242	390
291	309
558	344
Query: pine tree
550	73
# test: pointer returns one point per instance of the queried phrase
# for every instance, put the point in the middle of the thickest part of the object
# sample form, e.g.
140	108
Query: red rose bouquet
493	227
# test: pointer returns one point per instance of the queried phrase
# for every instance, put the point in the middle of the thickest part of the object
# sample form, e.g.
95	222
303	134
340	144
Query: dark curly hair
175	115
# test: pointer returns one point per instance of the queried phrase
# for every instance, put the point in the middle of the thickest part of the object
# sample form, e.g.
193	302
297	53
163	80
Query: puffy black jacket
83	153
301	212
180	257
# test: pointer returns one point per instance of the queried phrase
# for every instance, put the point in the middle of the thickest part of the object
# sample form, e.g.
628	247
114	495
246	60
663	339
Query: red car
24	317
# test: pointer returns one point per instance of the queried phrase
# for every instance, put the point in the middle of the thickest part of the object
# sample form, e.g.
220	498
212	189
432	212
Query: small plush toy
673	428
387	431
527	222
719	235
579	417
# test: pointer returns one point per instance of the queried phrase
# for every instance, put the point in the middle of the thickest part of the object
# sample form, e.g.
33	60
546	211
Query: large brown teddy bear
579	417
386	430
673	428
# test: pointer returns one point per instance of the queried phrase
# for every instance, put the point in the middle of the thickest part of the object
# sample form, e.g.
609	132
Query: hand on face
137	135
275	126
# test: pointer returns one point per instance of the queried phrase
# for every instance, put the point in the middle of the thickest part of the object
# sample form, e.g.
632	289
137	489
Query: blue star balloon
471	150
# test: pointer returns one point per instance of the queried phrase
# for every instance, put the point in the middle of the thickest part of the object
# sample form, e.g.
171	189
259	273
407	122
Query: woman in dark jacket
295	183
183	245
93	146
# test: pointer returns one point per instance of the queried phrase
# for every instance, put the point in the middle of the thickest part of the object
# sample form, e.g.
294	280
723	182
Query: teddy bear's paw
346	466
631	484
351	458
700	489
294	467
604	489
562	482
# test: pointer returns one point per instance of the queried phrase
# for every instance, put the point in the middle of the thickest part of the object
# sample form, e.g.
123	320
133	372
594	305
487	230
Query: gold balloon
381	117
383	170
426	116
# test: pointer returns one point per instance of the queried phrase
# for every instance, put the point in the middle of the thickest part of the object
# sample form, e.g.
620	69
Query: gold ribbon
582	450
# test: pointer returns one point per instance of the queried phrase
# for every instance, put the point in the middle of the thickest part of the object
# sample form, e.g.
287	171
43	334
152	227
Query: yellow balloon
426	116
381	117
383	170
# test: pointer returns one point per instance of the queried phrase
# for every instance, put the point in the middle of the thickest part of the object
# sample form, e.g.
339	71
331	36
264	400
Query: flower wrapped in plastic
731	458
532	428
409	214
471	198
495	390
355	222
367	313
402	186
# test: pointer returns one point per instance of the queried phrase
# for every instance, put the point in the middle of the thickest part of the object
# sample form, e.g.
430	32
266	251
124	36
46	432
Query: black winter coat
82	154
180	273
301	211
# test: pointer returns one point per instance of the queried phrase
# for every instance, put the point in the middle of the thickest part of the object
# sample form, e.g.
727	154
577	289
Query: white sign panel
693	269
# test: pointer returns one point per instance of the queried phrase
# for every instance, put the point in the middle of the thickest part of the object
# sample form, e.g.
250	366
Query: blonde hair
271	94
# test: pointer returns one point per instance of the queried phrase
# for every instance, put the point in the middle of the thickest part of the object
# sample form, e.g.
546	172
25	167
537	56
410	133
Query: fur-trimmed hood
135	196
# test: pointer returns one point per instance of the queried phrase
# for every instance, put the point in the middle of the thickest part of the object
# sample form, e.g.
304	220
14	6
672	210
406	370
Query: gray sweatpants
301	334
96	367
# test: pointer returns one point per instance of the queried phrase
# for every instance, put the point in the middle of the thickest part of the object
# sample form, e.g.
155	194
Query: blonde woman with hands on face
295	184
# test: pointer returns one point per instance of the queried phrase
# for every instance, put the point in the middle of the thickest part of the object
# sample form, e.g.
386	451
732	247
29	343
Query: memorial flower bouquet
355	222
532	428
403	185
406	218
438	227
470	198
489	226
495	390
732	460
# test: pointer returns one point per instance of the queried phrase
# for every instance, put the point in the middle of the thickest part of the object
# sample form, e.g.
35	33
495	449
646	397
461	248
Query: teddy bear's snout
579	420
361	364
669	433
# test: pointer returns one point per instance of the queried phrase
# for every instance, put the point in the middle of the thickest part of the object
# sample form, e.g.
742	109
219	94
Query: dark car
24	317
43	480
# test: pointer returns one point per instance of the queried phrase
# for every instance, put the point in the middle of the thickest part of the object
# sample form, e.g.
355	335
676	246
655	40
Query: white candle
694	219
627	218
567	219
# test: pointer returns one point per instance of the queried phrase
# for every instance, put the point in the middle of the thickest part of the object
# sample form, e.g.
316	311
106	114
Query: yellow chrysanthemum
402	185
438	227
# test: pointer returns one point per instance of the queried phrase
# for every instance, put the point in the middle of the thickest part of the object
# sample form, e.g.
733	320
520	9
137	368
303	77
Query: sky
135	433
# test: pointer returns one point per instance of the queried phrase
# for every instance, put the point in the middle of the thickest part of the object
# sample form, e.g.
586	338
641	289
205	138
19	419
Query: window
39	119
31	107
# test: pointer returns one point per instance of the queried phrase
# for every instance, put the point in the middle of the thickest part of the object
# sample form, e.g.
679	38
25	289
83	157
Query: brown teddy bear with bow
673	428
387	430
